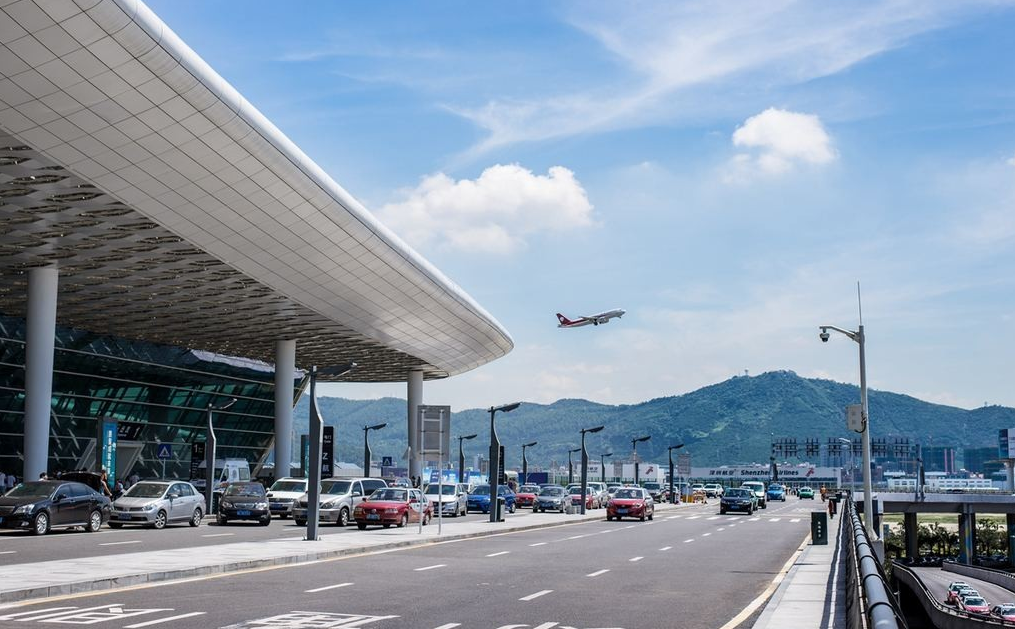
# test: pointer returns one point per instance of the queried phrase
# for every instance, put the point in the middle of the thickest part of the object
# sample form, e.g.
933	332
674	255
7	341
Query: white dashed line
149	623
629	527
666	548
705	534
693	517
538	544
536	595
433	567
576	537
714	517
721	528
635	558
688	541
450	625
8	552
754	519
503	552
795	520
327	587
133	541
674	517
597	573
774	519
220	535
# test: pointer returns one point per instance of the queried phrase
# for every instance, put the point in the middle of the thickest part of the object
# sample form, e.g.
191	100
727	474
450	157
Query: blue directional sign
165	451
386	461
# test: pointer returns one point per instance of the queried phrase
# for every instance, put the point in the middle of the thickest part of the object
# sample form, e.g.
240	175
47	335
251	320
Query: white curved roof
104	97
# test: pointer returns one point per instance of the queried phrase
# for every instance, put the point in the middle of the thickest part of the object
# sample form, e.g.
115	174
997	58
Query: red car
974	605
591	499
630	502
393	505
526	495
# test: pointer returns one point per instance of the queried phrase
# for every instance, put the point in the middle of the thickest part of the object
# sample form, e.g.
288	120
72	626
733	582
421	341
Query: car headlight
226	504
149	507
328	505
261	505
24	508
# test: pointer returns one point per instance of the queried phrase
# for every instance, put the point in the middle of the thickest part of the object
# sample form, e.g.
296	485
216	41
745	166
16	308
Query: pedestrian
104	482
11	481
3	480
43	476
831	507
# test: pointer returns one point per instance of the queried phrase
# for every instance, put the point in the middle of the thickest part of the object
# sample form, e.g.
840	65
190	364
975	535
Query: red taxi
630	502
526	495
393	505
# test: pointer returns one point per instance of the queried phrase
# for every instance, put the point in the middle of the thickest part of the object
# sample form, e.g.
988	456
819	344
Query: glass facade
158	394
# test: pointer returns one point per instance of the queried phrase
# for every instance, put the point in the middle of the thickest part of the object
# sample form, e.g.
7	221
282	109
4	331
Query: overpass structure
184	251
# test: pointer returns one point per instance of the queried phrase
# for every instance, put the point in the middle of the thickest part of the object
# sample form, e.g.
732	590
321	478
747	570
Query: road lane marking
162	620
503	552
705	534
597	573
693	517
219	535
795	520
764	596
754	519
686	541
538	544
666	548
133	541
732	525
327	587
721	528
536	595
7	552
635	558
450	625
774	519
674	517
576	537
439	565
607	531
45	612
714	517
731	519
630	527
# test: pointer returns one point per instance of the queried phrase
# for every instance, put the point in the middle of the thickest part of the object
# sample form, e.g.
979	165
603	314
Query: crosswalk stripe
795	520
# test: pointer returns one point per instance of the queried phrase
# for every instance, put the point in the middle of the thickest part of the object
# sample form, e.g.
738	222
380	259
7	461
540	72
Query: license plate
244	512
621	510
123	516
373	516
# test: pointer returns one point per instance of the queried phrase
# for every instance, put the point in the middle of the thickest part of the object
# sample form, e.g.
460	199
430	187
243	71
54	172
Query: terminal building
165	249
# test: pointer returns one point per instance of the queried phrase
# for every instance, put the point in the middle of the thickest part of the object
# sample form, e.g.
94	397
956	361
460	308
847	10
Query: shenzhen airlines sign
785	473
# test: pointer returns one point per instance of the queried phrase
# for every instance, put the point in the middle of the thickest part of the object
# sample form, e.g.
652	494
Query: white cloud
494	213
1011	161
782	139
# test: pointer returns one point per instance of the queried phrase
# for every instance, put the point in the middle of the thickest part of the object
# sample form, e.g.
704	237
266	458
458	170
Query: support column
285	367
912	546
967	524
40	341
414	396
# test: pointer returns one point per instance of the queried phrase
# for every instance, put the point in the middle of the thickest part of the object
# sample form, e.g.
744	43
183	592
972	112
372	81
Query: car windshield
336	487
778	487
32	489
390	495
627	493
651	486
574	489
974	600
528	489
250	489
738	493
552	491
481	489
444	490
146	490
289	485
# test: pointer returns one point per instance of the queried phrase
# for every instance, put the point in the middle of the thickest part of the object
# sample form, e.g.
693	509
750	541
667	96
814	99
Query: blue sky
726	172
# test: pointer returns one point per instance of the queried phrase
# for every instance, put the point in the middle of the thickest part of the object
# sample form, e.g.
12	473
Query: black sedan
737	499
244	501
41	505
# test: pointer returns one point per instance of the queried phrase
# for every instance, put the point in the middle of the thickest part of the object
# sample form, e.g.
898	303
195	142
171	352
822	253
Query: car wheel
40	526
115	525
222	521
387	525
404	521
609	517
94	521
642	518
265	521
512	508
343	517
361	526
652	514
160	520
722	511
300	522
196	517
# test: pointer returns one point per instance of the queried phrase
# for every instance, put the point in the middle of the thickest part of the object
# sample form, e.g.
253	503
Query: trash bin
500	508
819	528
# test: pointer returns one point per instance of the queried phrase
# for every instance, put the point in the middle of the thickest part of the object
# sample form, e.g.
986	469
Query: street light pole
461	456
634	448
316	429
525	462
585	464
570	466
673	484
366	447
209	456
495	456
868	502
602	465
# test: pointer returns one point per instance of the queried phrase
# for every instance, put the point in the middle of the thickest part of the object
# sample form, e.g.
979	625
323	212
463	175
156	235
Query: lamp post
585	464
634	448
673	483
209	455
366	447
602	465
570	466
316	430
495	456
461	456
868	503
525	462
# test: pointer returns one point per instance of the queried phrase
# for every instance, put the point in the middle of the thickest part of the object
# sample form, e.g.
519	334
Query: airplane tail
563	320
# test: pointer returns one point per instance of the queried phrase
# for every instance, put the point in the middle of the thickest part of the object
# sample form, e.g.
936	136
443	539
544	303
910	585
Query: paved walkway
812	595
20	582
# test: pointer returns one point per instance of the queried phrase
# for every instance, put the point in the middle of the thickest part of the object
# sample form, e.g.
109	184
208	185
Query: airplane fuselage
597	319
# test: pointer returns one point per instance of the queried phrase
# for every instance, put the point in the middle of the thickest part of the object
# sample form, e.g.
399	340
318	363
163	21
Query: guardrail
870	602
942	616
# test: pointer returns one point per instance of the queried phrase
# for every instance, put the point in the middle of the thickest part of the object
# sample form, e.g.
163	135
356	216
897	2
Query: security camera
824	335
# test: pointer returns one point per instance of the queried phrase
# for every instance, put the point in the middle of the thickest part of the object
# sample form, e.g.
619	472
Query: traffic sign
386	461
165	451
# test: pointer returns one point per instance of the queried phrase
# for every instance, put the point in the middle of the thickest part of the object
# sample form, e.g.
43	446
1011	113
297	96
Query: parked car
479	498
451	498
737	499
600	491
1004	612
244	501
805	492
713	490
953	590
654	489
283	493
974	605
339	497
526	495
631	502
41	505
393	505
554	498
612	487
775	492
156	503
591	500
758	489
697	488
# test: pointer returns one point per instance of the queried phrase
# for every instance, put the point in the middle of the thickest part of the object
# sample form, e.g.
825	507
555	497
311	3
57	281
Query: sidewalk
19	582
812	595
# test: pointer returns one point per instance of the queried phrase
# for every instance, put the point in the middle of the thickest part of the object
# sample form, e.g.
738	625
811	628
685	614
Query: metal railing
870	602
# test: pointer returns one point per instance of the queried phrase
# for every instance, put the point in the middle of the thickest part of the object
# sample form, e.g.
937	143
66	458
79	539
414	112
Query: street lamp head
211	407
596	429
606	454
575	450
506	408
467	437
640	439
824	335
529	445
676	447
375	427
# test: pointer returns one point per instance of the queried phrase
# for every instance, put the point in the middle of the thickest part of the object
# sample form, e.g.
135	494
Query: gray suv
339	496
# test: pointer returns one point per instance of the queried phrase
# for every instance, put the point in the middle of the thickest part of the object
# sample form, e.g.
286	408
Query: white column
285	366
40	338
415	398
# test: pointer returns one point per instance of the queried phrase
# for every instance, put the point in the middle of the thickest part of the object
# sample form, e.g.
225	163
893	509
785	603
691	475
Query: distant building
981	460
939	459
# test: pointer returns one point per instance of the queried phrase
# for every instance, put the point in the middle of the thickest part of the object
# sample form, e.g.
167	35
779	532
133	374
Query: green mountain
730	422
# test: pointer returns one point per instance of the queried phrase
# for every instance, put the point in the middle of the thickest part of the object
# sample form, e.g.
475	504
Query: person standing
11	481
3	481
105	484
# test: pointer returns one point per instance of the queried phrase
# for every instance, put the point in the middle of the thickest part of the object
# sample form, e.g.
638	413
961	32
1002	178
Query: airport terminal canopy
177	214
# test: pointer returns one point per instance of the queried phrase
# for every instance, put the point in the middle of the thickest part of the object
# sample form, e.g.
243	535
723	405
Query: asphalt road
690	569
937	581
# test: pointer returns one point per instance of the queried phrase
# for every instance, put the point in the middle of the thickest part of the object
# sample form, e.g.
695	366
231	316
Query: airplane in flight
602	317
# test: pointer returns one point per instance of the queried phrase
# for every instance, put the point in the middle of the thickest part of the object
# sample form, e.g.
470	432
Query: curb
121	581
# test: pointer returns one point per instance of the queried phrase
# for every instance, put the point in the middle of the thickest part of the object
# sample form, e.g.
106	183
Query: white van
226	471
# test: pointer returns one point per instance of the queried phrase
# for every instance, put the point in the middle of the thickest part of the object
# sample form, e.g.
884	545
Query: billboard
786	472
435	431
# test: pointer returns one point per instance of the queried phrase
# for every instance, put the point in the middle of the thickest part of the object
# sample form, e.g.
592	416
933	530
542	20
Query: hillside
732	421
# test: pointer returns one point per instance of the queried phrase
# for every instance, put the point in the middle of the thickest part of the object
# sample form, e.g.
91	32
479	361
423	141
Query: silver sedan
155	503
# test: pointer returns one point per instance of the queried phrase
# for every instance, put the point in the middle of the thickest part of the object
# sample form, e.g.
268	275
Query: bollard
819	528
